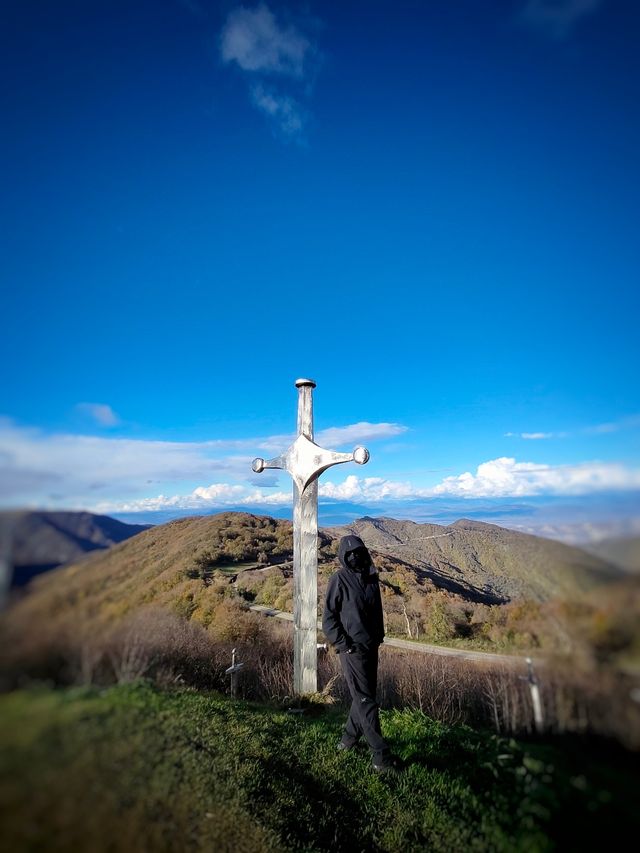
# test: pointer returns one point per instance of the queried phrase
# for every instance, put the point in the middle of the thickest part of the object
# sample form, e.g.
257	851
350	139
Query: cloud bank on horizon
109	474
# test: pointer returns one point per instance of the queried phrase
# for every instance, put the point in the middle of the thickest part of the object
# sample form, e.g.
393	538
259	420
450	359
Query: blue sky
429	207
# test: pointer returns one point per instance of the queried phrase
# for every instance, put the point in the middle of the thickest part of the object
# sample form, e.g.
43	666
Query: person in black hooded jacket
352	622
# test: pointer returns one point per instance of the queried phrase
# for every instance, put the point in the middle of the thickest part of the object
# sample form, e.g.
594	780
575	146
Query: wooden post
534	688
233	672
6	573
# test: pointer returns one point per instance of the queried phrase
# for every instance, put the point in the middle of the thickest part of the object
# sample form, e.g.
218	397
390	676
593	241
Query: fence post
233	672
534	688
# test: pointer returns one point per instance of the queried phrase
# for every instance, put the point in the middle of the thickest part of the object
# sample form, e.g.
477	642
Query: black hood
348	543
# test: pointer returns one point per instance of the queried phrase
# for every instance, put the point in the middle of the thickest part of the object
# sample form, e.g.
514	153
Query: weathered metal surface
305	461
305	588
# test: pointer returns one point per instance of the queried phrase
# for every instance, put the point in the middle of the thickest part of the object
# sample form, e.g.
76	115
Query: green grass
236	568
138	768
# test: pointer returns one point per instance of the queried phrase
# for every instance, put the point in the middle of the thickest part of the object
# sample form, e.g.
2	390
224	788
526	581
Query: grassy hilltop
121	763
133	768
444	585
171	602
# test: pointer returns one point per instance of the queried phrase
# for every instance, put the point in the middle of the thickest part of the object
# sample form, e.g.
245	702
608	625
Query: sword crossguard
305	460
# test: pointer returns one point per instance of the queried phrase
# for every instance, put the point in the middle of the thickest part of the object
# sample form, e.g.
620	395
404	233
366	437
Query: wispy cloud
557	18
503	477
40	468
264	48
363	490
256	41
497	478
535	436
630	422
101	413
218	495
369	489
109	474
362	431
285	113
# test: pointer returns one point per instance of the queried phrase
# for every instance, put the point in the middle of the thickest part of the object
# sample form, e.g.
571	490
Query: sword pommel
361	455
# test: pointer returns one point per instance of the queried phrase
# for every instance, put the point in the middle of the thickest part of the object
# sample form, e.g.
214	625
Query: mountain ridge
36	541
485	557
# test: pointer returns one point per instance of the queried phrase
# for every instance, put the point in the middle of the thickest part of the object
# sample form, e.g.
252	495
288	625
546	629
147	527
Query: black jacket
353	607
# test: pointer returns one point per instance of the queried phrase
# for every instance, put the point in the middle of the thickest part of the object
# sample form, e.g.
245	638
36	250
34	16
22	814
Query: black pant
361	674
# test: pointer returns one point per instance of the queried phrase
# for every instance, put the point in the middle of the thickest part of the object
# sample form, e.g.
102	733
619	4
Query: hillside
623	552
206	569
169	565
37	541
173	564
472	558
133	768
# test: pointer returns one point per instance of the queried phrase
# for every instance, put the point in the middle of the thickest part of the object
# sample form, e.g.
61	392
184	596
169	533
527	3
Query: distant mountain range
479	562
575	520
206	569
474	559
37	541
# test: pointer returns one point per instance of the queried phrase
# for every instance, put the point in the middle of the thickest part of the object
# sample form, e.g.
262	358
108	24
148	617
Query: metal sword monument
305	461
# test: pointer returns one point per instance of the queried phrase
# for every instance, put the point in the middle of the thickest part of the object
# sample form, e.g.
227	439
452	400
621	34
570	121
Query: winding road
415	646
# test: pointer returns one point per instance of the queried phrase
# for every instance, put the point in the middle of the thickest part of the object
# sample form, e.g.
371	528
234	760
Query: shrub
440	621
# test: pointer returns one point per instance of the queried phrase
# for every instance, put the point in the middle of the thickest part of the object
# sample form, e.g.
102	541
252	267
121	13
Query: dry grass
158	645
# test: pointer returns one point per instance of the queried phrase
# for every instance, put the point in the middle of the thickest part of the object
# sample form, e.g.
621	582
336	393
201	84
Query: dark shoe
388	764
344	747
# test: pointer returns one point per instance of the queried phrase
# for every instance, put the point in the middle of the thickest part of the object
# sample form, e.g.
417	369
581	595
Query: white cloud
582	533
255	40
79	468
218	495
353	433
264	47
505	477
284	112
118	474
557	17
536	436
100	412
332	437
630	422
502	477
368	489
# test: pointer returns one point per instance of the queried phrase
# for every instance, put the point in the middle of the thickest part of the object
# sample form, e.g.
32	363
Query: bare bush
275	672
498	696
155	643
577	695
